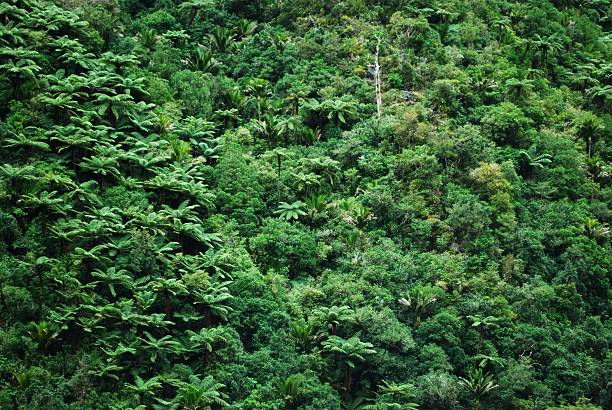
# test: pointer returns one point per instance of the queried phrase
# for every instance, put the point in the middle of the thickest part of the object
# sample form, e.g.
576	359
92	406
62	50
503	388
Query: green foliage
291	211
478	384
201	207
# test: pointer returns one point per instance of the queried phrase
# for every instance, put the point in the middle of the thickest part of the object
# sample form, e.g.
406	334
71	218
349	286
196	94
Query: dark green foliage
201	207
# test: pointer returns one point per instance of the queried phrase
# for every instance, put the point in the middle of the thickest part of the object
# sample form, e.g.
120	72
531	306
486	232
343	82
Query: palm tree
168	287
195	6
145	387
278	154
309	135
482	324
20	66
286	128
600	95
121	63
181	150
588	127
112	277
117	106
215	299
148	38
25	378
79	59
216	263
206	338
165	344
316	203
107	220
265	129
483	360
418	300
229	117
199	394
547	46
323	166
43	333
79	255
27	143
184	212
297	93
306	182
17	177
245	28
393	396
478	384
291	211
177	37
536	161
289	389
221	39
75	138
192	128
196	232
67	230
302	333
529	160
203	60
336	110
504	26
13	33
351	351
519	90
84	193
595	229
47	200
335	316
279	38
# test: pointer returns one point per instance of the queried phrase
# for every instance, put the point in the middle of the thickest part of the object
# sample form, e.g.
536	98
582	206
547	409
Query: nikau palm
478	384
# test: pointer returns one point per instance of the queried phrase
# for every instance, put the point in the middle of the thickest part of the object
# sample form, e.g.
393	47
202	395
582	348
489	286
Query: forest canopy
384	205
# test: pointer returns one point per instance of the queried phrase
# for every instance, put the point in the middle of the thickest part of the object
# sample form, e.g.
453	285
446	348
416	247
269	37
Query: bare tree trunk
377	81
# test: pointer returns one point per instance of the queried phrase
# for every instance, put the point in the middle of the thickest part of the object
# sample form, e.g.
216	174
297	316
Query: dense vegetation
201	206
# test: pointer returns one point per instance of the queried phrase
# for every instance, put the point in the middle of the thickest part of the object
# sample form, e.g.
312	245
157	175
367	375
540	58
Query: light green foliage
291	211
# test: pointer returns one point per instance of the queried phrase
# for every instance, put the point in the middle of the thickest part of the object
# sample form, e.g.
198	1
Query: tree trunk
2	299
40	291
377	81
417	321
192	17
348	380
167	305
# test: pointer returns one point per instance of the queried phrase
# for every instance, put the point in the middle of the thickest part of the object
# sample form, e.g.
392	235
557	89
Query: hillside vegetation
383	205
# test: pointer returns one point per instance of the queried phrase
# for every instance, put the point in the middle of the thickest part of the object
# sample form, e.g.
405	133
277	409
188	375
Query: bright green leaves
291	211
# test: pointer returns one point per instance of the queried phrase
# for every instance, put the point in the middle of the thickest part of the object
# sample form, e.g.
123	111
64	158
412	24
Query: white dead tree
375	70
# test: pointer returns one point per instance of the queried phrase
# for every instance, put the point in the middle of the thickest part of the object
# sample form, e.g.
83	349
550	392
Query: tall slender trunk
40	291
192	17
377	81
2	299
167	305
348	380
